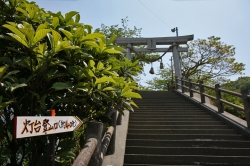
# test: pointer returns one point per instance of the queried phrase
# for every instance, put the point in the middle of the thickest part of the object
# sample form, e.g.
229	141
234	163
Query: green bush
50	61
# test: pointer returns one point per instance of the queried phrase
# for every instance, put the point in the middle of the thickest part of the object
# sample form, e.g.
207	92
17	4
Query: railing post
202	92
191	93
218	98
119	119
246	102
182	85
111	148
176	83
168	86
94	130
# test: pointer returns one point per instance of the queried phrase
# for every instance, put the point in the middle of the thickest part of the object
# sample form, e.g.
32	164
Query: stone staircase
167	129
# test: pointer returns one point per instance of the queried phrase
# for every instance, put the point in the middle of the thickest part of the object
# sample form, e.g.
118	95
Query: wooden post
119	119
111	148
246	102
202	91
218	97
182	85
106	141
51	142
85	155
94	130
168	86
191	93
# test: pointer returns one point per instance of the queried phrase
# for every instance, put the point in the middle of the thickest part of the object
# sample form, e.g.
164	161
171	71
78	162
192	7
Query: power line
154	14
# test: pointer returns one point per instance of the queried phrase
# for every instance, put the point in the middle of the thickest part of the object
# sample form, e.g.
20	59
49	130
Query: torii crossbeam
151	44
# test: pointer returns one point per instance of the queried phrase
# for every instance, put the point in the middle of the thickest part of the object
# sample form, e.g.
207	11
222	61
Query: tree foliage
161	82
120	31
52	61
210	59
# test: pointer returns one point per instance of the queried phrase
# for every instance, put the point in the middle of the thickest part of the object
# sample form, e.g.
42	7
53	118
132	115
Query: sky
227	19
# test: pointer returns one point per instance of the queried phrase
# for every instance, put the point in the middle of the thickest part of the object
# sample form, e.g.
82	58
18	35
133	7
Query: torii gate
151	47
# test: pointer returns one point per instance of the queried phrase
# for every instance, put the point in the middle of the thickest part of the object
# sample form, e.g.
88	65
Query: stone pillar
177	64
128	51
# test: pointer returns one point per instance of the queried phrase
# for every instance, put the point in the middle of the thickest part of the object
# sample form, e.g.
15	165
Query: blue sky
228	19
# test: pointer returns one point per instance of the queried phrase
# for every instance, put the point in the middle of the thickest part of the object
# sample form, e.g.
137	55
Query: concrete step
173	113
181	131
176	118
131	122
186	136
178	126
168	130
188	143
185	159
213	151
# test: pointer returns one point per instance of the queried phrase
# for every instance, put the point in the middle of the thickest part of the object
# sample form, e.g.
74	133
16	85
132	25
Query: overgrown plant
51	61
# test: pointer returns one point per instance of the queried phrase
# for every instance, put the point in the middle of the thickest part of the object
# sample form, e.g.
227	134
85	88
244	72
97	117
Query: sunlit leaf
69	15
66	33
40	34
15	31
55	22
109	88
104	79
131	95
19	39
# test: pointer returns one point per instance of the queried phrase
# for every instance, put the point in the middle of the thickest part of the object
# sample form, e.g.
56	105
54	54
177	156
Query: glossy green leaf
16	86
6	60
77	18
93	36
111	40
22	11
60	86
69	15
133	104
40	34
104	79
112	51
100	65
55	22
131	95
3	70
92	64
56	36
11	73
109	88
29	33
66	33
19	39
41	26
127	88
15	31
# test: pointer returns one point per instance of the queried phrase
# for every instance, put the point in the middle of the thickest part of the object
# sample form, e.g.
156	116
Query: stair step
180	131
195	137
167	129
215	151
178	126
186	159
175	123
166	113
169	119
188	143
